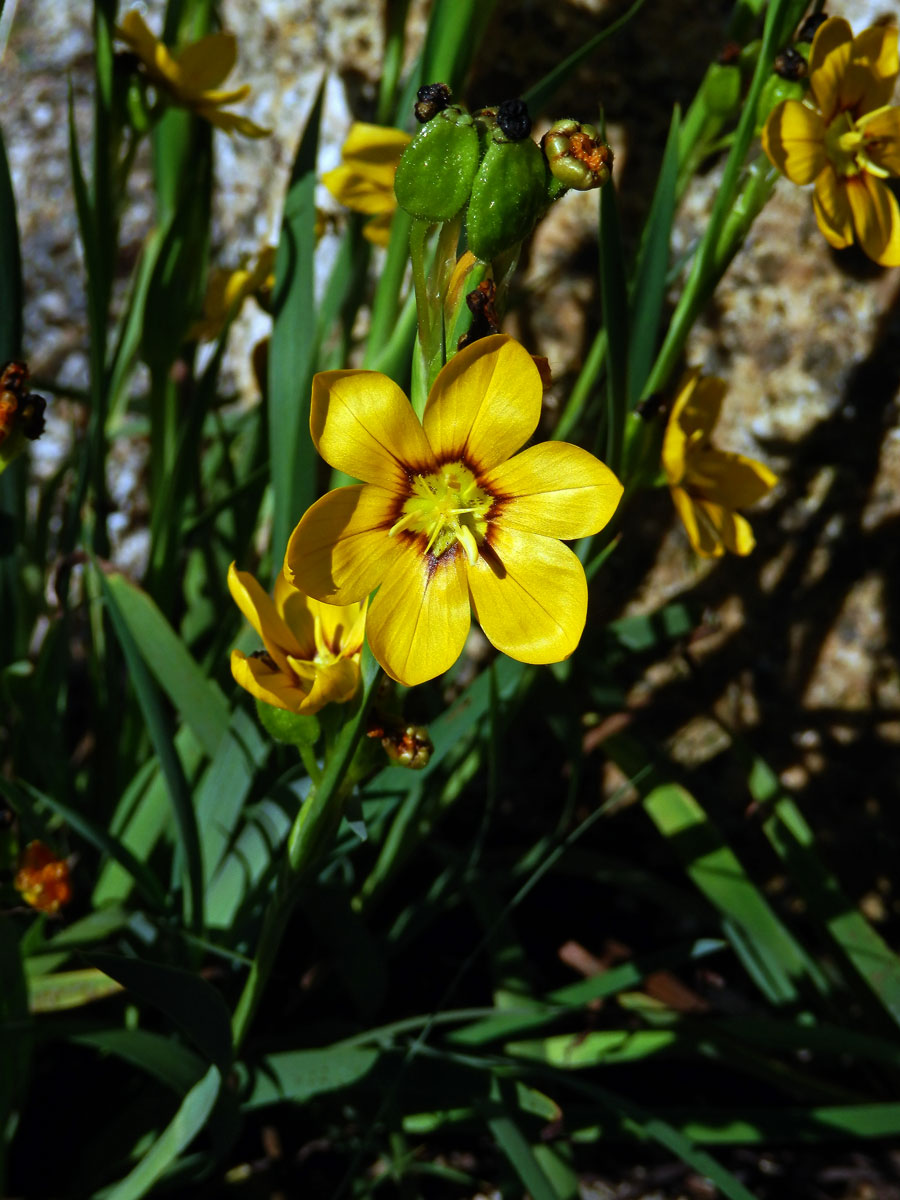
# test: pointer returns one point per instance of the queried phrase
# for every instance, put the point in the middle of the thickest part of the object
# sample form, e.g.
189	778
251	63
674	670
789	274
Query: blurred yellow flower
191	76
42	878
447	520
312	650
365	179
846	138
707	484
231	288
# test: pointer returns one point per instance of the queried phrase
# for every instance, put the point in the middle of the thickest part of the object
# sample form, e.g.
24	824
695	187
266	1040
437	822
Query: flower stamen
449	508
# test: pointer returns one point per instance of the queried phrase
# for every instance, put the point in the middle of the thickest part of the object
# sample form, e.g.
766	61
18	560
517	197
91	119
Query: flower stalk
310	836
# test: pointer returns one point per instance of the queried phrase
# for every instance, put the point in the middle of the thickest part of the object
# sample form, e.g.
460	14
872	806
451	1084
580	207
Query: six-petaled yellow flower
446	520
365	179
312	650
191	76
707	484
846	138
227	291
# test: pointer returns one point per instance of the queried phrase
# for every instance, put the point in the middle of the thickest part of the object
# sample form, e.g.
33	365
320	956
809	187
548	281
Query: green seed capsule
722	89
508	196
776	89
434	176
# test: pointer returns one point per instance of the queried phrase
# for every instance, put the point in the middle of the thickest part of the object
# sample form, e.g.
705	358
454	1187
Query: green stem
585	382
392	59
706	270
310	836
417	236
387	293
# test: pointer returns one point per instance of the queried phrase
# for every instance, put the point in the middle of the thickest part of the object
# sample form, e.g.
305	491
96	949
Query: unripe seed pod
776	89
434	176
722	88
508	196
576	156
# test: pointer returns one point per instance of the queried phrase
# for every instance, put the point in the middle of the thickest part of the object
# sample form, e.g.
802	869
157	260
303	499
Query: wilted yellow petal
341	550
485	403
231	122
876	217
357	190
832	209
362	424
378	229
554	489
419	619
530	596
794	139
204	64
731	480
376	146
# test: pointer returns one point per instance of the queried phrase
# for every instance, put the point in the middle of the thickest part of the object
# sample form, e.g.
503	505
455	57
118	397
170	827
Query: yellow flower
845	137
191	77
42	878
312	650
231	288
446	519
708	484
365	179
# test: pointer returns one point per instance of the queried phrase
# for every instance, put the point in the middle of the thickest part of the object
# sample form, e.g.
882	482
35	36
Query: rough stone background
800	644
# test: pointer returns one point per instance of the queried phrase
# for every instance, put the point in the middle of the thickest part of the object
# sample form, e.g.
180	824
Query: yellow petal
794	139
876	217
419	619
357	189
376	146
279	688
829	57
341	550
231	122
378	229
702	533
259	609
204	64
555	489
695	411
146	46
731	480
882	138
832	209
341	626
362	424
484	404
736	533
873	69
332	684
529	594
295	609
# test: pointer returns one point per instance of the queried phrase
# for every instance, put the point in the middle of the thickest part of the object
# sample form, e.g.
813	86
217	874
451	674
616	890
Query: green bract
435	174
